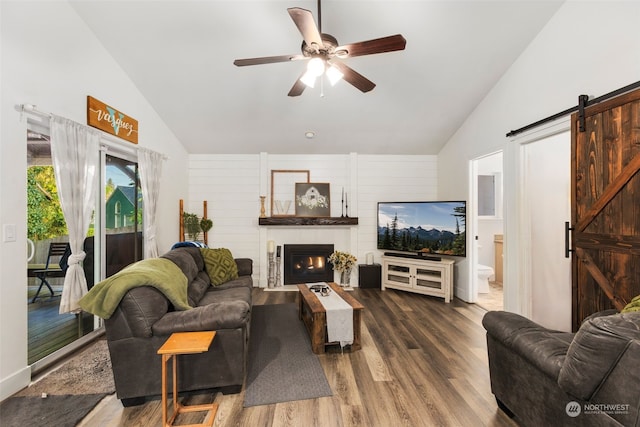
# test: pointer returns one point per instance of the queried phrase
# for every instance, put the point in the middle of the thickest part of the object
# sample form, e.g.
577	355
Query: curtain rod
586	103
32	109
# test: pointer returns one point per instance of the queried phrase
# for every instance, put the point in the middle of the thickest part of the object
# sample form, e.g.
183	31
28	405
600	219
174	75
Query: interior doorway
488	225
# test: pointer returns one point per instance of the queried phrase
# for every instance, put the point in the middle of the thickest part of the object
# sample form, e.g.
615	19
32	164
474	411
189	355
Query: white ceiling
180	55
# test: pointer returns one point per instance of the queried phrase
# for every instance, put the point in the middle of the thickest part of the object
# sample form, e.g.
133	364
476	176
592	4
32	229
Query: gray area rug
72	391
282	367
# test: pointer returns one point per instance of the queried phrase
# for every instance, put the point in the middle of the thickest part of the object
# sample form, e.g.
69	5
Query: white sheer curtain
76	160
150	164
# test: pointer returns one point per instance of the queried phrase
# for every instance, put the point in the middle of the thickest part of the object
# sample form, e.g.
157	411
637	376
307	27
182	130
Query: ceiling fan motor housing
327	51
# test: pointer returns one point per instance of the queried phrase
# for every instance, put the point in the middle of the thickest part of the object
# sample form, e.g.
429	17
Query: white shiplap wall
390	179
233	184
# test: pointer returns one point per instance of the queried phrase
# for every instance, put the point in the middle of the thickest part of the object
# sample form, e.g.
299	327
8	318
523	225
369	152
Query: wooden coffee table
314	316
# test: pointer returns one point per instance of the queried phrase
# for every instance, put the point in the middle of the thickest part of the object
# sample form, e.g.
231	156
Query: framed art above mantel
283	184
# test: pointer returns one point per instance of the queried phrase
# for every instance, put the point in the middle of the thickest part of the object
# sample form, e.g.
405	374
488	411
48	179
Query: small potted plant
343	262
191	225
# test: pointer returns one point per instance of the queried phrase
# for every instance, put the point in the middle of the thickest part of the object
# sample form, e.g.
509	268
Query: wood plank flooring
48	330
423	363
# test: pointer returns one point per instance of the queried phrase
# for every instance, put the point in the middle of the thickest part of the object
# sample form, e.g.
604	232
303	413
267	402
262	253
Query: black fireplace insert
307	263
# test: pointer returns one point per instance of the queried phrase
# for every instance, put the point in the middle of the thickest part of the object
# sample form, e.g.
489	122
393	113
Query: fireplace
307	263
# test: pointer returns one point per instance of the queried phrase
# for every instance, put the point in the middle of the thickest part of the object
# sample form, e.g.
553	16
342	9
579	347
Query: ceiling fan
325	54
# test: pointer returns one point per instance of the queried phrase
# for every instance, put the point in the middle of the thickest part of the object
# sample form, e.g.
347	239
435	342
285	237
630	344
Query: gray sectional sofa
145	318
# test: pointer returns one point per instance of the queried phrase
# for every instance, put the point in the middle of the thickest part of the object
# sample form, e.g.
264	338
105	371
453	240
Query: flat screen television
423	227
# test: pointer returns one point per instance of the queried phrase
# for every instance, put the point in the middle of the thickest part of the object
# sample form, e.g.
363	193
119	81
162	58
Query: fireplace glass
307	263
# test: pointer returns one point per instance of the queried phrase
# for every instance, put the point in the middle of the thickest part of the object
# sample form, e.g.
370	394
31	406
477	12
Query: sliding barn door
606	206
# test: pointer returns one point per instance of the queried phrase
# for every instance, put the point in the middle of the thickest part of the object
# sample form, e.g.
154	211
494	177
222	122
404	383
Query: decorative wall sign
312	199
110	120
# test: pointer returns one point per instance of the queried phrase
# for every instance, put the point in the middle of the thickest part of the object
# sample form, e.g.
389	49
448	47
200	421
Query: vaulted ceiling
180	56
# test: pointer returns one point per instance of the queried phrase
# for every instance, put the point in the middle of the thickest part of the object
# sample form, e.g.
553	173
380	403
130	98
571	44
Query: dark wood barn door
606	206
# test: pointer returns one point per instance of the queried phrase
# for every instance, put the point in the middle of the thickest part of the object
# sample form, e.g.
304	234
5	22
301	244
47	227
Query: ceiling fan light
308	79
334	75
315	67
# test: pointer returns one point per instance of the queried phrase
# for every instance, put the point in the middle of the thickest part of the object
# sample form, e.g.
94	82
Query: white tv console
423	276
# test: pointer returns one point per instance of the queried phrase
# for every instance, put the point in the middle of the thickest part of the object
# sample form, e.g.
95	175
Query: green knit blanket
160	273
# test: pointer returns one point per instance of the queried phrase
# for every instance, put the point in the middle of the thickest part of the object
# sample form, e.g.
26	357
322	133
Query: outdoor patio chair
57	252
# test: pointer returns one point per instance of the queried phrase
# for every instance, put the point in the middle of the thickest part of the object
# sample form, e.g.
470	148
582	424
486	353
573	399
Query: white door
547	187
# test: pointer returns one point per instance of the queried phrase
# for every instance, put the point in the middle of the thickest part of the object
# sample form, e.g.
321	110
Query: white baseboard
14	383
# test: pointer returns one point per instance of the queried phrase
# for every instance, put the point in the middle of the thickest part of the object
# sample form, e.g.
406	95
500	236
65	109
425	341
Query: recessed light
309	134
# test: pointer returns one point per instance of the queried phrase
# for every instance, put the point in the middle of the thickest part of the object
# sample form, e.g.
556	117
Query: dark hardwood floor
423	363
48	330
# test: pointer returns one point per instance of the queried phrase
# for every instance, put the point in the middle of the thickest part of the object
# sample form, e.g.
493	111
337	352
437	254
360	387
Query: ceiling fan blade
306	25
353	77
370	47
267	60
298	87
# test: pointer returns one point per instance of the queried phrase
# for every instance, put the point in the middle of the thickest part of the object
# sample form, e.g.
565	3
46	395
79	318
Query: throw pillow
220	265
634	305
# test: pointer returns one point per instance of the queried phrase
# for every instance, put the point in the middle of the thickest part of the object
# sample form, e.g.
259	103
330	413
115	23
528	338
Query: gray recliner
545	377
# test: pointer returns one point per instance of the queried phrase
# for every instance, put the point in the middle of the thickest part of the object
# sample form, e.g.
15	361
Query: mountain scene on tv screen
402	235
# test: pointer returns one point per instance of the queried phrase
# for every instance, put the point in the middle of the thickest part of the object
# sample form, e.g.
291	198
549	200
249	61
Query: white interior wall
55	63
559	64
232	186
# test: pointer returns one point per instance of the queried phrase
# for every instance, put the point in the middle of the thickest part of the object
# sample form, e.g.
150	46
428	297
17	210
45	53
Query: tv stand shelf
423	276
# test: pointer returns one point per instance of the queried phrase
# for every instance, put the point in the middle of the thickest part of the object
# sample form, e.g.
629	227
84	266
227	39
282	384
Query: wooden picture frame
313	199
283	186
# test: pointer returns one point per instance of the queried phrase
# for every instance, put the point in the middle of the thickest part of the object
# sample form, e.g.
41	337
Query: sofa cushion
198	287
595	351
184	259
217	295
220	265
215	316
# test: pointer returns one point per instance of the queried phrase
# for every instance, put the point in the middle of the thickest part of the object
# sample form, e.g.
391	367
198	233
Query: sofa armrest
599	345
245	266
543	348
223	315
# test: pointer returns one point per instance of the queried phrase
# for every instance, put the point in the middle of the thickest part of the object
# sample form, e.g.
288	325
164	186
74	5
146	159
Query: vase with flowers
343	263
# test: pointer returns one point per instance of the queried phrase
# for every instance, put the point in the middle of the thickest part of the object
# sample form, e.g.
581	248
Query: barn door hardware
583	100
567	232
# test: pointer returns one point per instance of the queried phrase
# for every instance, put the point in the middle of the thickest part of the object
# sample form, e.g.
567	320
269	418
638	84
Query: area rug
282	367
71	391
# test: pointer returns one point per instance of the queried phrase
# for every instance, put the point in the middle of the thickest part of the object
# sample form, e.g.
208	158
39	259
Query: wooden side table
184	343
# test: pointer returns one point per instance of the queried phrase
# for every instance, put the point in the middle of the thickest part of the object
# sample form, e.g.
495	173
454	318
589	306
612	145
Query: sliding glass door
48	330
114	240
122	214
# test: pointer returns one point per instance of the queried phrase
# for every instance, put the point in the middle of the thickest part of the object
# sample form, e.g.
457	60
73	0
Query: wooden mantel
297	220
